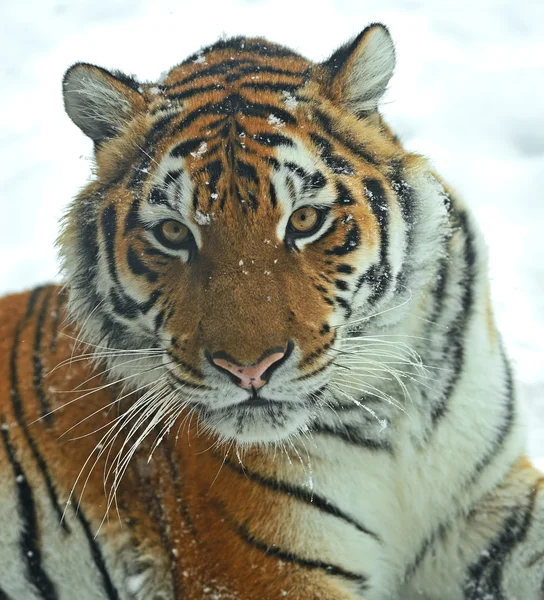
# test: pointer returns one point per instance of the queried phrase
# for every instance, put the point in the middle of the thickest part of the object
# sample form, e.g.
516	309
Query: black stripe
29	541
316	181
181	493
157	252
273	196
406	197
351	435
172	176
439	535
96	553
505	427
343	195
266	86
259	70
456	331
213	171
123	305
3	595
156	196
311	181
22	420
109	231
351	242
132	220
310	498
379	277
218	69
185	148
272	139
343	268
335	162
62	296
158	131
163	523
32	300
189	93
345	305
116	335
273	550
348	140
236	104
339	58
484	577
87	247
246	170
37	376
138	267
145	307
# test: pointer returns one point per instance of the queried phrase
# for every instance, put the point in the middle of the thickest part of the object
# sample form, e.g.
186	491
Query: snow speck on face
275	121
200	59
134	583
202	218
290	100
199	153
154	90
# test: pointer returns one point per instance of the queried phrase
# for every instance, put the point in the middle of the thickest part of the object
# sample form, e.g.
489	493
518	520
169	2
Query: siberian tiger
273	370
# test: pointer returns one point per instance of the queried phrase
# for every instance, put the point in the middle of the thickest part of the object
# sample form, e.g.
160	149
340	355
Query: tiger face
248	212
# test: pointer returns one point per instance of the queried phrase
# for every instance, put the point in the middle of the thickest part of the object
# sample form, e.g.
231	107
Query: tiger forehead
243	130
236	64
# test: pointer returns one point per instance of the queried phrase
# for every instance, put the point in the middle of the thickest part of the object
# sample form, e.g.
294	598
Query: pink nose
251	376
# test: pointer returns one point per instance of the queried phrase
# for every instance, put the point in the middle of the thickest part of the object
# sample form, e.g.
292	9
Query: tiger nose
255	375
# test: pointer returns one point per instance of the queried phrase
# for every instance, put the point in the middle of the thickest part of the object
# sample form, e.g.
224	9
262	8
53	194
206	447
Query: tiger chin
272	370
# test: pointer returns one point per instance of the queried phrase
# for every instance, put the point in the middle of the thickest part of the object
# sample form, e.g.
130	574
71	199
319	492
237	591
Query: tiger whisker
102	408
97	389
363	406
161	168
103	372
95	356
78	339
371	391
374	315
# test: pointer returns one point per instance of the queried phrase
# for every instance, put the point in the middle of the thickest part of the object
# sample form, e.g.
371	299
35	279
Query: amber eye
305	221
173	234
174	231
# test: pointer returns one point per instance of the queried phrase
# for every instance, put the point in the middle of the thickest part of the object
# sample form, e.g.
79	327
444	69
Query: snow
468	92
202	218
201	150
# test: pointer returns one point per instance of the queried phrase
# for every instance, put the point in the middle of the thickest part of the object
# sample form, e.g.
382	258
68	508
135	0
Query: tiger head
248	212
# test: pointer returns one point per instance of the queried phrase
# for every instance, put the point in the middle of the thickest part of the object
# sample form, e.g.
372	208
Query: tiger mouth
255	401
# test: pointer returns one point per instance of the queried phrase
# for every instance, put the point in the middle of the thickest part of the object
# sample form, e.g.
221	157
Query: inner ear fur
358	73
100	103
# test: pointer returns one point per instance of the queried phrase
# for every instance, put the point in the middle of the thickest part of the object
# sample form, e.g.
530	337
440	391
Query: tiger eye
304	219
174	231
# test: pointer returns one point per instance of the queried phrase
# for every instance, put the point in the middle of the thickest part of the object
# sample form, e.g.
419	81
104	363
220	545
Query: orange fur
184	505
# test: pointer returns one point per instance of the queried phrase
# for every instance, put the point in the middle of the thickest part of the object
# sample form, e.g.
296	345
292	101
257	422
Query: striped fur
384	456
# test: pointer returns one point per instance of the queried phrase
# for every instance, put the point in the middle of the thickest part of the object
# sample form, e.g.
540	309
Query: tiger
272	369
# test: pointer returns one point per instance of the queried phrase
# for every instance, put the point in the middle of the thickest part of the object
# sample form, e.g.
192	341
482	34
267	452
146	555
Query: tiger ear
100	103
361	69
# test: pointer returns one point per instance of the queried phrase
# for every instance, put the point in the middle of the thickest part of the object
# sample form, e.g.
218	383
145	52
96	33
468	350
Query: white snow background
468	92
